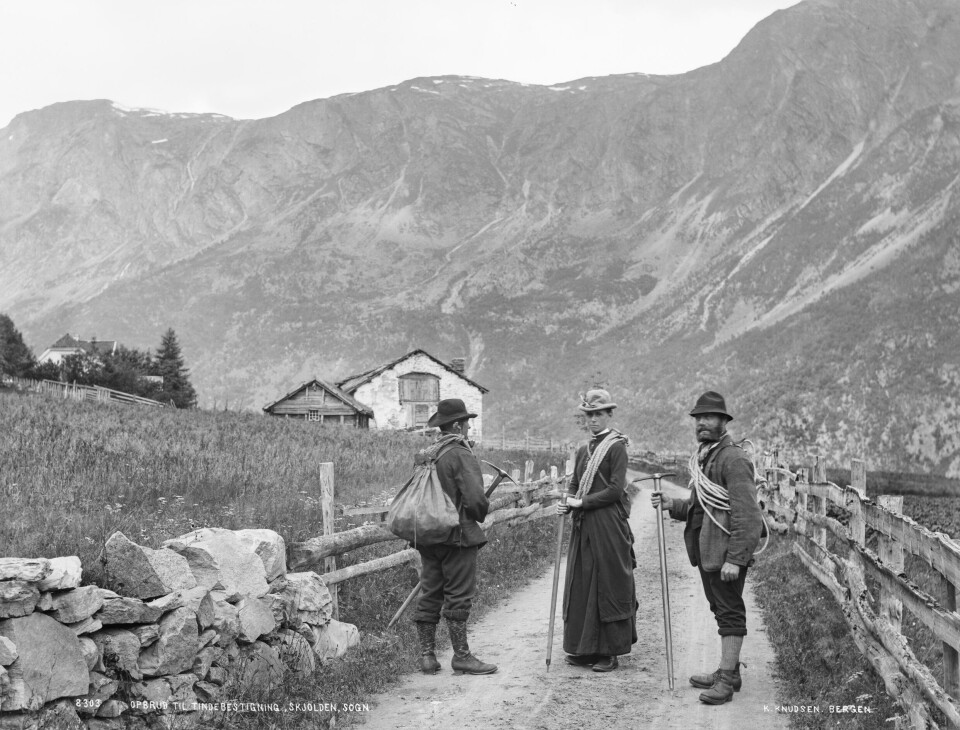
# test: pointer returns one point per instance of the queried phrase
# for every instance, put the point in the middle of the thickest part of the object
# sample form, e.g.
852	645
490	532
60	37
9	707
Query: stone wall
210	612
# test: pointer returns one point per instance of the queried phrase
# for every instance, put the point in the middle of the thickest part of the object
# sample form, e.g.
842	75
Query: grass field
72	473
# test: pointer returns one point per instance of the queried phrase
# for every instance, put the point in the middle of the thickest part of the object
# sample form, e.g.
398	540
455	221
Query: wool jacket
461	478
707	545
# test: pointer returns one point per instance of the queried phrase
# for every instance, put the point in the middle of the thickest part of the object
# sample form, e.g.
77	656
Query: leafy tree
169	363
15	357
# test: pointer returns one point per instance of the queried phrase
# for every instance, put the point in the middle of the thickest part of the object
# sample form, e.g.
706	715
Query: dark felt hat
711	402
448	411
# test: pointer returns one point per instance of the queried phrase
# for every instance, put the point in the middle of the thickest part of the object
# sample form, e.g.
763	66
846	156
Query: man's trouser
726	601
448	582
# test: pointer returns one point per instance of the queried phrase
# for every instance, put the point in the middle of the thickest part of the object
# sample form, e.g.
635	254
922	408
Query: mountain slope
778	225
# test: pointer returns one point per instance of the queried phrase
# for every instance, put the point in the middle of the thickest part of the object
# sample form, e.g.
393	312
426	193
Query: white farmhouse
404	393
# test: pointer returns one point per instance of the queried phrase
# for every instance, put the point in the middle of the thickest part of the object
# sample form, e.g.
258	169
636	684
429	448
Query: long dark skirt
599	602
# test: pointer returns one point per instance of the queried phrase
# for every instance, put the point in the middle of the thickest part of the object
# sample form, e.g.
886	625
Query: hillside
780	225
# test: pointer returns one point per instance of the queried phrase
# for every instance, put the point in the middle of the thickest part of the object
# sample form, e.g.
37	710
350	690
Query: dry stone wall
210	613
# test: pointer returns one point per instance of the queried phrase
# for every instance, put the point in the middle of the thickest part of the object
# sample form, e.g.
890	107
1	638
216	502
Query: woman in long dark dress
599	597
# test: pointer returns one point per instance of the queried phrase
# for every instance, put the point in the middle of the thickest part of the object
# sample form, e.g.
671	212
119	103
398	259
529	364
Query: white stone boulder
270	548
141	572
31	570
17	598
256	619
8	652
119	650
334	639
226	619
296	652
50	664
220	561
311	597
197	599
77	604
259	667
65	573
90	651
85	626
174	650
127	611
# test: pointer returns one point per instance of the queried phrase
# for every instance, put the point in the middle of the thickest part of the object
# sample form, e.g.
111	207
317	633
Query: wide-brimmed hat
448	411
595	400
711	402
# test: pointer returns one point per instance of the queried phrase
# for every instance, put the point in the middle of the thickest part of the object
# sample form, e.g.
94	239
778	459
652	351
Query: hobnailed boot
706	681
463	661
427	633
721	691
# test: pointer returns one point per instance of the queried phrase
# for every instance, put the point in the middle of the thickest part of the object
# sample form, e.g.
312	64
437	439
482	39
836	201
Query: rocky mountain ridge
778	225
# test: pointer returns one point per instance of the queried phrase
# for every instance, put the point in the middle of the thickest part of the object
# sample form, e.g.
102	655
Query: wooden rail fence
835	550
73	391
801	501
531	499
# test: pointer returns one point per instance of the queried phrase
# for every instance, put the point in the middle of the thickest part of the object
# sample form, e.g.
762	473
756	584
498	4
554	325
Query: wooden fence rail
530	500
801	502
73	391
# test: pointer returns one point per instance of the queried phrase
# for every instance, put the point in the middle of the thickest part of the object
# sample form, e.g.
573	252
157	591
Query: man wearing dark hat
449	574
723	528
599	599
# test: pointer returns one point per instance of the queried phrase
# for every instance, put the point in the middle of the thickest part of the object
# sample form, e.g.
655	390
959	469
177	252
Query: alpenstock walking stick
664	589
556	581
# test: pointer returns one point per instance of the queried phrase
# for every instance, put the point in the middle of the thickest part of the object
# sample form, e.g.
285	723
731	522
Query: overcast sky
258	58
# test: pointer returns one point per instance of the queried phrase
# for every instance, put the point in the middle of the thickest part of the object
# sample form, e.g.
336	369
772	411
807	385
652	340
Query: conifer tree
15	357
169	363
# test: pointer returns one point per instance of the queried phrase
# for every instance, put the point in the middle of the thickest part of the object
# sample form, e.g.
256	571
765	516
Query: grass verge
818	663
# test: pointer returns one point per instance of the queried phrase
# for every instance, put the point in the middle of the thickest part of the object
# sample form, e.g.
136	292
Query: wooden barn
323	403
404	392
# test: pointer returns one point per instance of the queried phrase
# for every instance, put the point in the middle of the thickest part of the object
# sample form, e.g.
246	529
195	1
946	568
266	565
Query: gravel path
523	694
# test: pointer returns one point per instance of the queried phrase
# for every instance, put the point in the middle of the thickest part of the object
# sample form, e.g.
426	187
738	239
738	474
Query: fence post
858	484
951	658
802	499
326	507
891	555
528	471
503	438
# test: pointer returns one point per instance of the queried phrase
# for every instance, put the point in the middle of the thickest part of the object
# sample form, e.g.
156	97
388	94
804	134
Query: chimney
458	364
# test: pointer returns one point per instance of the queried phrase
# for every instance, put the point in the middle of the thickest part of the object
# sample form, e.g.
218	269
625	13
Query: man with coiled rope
723	528
599	598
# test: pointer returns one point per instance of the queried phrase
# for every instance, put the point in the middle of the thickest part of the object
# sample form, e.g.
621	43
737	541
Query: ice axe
664	590
501	475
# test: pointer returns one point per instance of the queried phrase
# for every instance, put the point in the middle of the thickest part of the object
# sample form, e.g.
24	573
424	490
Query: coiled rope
712	496
593	464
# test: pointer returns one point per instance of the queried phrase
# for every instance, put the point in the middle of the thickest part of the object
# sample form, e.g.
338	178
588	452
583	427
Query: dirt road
523	694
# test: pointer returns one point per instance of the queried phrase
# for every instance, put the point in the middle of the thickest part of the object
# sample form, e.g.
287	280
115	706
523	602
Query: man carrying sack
723	528
449	573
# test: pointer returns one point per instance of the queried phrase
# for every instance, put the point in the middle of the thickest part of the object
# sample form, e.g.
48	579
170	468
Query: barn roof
330	388
68	342
353	382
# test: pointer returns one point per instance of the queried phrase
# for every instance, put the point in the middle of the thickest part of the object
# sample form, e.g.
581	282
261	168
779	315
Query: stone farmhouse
405	392
402	394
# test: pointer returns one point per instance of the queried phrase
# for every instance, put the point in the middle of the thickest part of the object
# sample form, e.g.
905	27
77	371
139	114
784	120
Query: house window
314	415
419	388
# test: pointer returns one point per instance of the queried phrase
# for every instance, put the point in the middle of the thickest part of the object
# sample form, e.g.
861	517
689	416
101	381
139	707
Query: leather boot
706	681
427	633
721	691
463	661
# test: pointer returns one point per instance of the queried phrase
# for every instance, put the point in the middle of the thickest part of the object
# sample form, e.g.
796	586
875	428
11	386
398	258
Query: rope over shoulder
711	495
590	472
